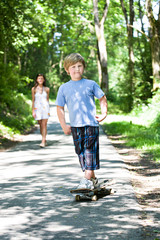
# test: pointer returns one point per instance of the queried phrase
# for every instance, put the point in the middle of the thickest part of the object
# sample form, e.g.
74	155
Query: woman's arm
33	98
47	91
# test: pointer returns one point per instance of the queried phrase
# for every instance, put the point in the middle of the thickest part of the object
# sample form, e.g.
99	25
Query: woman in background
40	105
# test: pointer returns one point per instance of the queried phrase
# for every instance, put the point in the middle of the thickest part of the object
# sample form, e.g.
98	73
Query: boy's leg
91	150
89	174
86	141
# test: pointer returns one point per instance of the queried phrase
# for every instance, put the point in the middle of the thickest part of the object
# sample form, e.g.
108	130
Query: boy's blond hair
72	59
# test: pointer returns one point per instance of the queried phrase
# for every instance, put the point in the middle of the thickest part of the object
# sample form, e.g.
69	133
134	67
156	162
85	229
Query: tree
129	23
101	44
143	65
155	43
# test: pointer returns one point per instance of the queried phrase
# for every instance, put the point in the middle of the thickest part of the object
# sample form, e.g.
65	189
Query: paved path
35	202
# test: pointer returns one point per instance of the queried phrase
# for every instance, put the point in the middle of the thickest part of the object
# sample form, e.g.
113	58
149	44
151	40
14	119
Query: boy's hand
101	117
103	104
67	129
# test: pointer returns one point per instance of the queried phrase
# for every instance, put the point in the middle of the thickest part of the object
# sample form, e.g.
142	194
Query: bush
17	114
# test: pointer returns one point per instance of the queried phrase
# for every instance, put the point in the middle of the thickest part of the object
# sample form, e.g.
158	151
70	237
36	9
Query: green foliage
15	110
54	81
112	108
137	136
9	82
143	70
140	129
149	112
37	35
17	114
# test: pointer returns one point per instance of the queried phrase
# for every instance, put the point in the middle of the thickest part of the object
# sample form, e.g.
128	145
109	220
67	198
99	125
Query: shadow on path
35	202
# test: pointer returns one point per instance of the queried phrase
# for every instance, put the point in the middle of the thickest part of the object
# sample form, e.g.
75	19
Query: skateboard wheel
77	198
94	198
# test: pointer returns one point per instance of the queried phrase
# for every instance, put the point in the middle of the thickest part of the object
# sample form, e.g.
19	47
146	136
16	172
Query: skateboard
99	191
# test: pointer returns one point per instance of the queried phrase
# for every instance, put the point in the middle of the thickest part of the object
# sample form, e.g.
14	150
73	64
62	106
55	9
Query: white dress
41	105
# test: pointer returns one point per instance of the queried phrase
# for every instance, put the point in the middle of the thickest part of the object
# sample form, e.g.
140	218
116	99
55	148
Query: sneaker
86	184
95	182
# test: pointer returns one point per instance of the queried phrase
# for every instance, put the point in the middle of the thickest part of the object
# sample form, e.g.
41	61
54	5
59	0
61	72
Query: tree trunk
101	46
155	44
129	23
99	66
145	58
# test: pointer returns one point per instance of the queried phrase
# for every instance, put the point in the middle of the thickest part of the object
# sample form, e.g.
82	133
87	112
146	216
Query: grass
140	129
145	138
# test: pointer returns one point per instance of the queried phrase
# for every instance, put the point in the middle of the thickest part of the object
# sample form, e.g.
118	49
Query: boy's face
76	71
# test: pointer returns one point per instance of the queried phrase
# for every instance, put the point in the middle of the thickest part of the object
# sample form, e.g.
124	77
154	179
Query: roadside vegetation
15	120
139	129
15	110
37	35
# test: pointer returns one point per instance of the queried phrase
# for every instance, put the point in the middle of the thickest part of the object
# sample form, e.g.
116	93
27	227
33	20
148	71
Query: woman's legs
43	129
40	125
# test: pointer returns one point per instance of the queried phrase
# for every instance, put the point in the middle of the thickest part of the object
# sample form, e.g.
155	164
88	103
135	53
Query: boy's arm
61	116
103	105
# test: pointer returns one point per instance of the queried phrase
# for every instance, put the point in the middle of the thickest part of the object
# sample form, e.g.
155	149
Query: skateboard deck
98	192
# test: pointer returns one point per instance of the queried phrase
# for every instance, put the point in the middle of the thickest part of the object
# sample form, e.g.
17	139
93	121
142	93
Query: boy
78	94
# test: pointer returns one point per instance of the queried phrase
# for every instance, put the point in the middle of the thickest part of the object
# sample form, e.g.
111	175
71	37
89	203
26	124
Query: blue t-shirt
79	98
